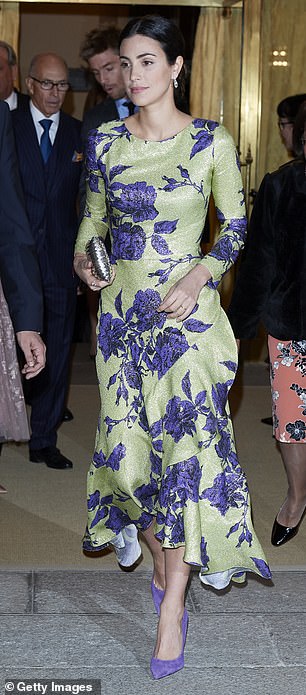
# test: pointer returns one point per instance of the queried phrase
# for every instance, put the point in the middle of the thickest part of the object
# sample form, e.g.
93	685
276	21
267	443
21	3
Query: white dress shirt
38	116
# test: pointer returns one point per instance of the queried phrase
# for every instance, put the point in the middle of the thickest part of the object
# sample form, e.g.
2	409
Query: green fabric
165	447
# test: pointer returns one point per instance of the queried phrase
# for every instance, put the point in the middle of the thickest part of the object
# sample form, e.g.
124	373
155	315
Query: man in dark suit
19	270
49	150
100	50
8	77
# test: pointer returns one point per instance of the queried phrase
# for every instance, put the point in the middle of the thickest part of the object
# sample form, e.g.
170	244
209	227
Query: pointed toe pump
161	668
282	534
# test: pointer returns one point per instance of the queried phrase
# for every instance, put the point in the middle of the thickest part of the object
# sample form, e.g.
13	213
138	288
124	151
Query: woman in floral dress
165	456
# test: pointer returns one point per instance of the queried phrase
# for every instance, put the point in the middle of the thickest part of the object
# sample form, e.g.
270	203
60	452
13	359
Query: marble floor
82	628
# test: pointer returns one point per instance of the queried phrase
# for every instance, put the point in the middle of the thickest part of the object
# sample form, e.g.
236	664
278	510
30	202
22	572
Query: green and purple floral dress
165	448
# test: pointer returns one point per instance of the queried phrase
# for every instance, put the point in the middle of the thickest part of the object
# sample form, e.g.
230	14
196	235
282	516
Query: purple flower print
156	463
219	394
113	460
172	527
170	346
223	249
110	337
128	242
157	241
132	375
90	154
223	448
147	495
180	483
204	137
135	199
204	556
262	567
143	420
93	183
180	418
239	226
165	227
101	514
211	424
144	306
103	504
225	493
117	520
93	500
177	530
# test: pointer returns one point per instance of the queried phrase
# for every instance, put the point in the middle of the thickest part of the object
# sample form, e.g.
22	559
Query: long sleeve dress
165	449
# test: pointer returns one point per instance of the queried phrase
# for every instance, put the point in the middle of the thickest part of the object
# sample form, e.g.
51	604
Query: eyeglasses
47	85
283	124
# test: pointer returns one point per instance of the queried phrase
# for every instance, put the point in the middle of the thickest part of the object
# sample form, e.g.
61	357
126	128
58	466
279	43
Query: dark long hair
166	33
299	129
288	107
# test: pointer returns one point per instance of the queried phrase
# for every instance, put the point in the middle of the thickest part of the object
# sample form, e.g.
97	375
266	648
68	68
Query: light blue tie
45	142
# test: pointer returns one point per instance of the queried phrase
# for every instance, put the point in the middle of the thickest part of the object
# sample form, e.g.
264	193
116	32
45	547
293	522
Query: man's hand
34	351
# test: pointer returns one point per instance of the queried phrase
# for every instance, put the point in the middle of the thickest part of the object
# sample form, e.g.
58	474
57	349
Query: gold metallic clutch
96	251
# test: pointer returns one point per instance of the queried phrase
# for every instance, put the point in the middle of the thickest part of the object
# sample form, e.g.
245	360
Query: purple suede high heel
157	596
160	667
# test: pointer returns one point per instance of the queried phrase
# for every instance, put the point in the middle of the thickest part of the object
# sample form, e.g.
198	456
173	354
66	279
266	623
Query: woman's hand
183	296
84	269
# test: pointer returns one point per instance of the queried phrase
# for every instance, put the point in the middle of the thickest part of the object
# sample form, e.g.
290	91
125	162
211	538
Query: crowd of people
164	464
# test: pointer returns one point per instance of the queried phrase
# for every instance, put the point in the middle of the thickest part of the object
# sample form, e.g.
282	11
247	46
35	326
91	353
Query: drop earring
175	83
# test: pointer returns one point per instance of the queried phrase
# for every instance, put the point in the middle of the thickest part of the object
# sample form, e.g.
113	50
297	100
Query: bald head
47	68
43	61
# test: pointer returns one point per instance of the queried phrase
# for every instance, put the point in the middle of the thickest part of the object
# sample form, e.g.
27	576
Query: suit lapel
55	169
29	143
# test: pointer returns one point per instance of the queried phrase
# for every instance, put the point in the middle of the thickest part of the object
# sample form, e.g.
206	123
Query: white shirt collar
12	101
38	116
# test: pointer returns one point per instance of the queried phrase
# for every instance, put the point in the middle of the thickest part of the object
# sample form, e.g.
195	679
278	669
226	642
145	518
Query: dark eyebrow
103	66
141	55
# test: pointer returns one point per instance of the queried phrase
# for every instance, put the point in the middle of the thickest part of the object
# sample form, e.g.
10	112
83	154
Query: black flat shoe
51	456
282	534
